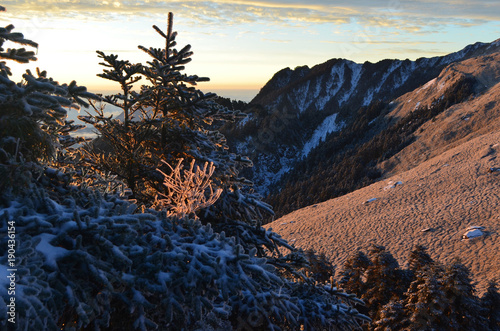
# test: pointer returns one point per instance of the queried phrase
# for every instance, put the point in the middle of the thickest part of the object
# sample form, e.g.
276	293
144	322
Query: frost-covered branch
187	189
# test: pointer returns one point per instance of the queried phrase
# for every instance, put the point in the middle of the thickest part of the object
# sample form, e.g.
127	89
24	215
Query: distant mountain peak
298	108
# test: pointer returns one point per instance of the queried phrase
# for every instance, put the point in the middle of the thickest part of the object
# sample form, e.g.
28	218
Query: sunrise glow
241	44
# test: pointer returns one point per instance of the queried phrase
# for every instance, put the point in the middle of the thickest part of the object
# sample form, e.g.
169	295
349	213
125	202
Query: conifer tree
168	119
464	310
33	112
383	279
490	303
391	317
419	259
352	276
425	301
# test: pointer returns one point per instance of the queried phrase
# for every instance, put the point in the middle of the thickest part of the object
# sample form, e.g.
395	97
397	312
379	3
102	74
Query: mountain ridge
443	181
297	109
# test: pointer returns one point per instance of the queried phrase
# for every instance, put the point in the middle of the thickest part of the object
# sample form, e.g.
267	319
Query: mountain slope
297	109
444	179
459	122
447	194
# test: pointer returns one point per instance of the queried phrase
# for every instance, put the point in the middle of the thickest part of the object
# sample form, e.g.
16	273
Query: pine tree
320	268
425	301
419	259
168	119
384	279
391	317
33	112
464	311
352	276
490	303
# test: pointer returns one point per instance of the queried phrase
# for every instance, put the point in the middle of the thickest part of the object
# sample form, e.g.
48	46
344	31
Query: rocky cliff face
296	110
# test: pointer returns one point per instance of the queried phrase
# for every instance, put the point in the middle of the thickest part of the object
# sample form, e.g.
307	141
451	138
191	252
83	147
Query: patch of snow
337	76
244	121
300	96
475	233
368	98
392	185
242	147
395	65
51	253
271	169
356	70
429	83
328	126
370	200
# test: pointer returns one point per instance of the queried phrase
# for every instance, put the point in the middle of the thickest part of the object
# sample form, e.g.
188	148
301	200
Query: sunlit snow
328	126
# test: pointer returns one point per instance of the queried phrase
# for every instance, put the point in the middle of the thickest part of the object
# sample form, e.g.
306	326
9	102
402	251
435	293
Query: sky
240	44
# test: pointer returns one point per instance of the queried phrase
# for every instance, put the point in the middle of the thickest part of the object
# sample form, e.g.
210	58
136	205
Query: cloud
277	40
406	15
386	42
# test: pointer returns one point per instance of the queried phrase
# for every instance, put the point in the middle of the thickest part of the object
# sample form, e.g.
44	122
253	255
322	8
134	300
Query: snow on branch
187	189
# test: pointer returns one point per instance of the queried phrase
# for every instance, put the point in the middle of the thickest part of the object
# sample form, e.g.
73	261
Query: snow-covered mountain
297	109
434	190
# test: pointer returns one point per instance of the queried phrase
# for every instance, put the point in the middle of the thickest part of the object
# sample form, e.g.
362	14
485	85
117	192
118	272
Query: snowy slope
304	105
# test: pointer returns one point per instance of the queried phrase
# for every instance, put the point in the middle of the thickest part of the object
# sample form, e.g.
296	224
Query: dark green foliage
490	303
464	311
419	259
427	296
384	279
348	159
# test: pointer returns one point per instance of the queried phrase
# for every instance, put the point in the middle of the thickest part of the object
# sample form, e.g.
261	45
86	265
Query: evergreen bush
92	260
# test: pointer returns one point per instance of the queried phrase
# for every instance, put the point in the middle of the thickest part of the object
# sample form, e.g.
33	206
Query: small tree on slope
490	303
464	310
167	119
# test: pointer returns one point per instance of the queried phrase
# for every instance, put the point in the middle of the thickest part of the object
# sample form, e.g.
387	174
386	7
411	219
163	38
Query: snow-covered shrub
86	260
33	114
